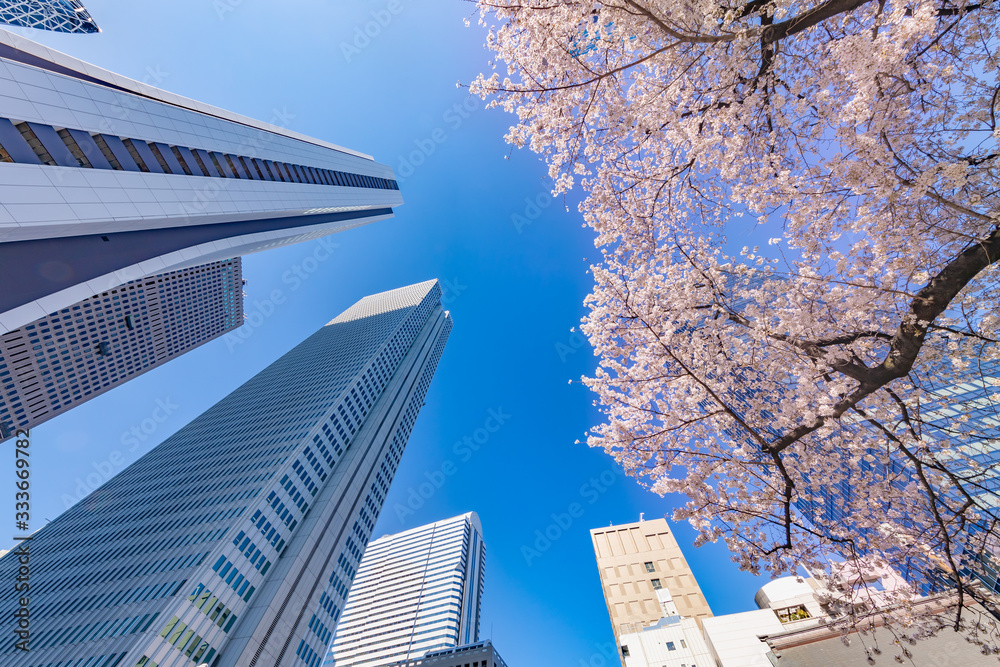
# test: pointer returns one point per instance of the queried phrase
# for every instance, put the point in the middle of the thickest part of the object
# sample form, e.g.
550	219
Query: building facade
104	180
794	610
480	654
673	641
825	645
235	541
797	624
635	561
960	424
55	15
734	639
416	592
84	350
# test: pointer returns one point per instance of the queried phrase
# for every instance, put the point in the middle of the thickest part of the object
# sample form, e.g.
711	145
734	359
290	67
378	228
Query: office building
784	604
480	654
960	423
732	640
104	180
798	623
673	641
234	542
55	15
416	592
636	560
84	350
824	645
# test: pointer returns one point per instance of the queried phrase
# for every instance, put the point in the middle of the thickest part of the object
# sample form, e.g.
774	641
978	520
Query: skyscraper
84	350
55	15
960	421
104	180
416	592
635	560
234	542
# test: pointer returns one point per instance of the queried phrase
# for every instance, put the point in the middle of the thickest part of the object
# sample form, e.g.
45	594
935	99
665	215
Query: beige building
637	559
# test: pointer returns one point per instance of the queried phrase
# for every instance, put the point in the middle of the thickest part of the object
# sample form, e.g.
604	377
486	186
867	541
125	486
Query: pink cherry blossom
792	393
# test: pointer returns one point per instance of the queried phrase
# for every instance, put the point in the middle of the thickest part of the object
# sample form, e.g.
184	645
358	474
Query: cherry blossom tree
834	390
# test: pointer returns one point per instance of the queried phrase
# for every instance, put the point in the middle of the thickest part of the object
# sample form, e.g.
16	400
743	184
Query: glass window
650	567
656	584
789	614
170	626
671	647
178	629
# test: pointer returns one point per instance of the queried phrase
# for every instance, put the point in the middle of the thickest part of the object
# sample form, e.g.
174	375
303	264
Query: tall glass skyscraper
416	592
84	350
55	15
234	542
959	420
104	180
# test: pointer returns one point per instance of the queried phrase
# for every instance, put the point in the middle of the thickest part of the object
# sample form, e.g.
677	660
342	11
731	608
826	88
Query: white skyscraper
111	188
234	542
416	592
104	180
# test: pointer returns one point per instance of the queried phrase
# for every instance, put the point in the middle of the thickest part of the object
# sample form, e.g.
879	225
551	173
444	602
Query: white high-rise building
416	592
110	188
104	180
234	542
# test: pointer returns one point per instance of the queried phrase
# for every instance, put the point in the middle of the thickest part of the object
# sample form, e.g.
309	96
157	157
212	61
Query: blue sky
513	263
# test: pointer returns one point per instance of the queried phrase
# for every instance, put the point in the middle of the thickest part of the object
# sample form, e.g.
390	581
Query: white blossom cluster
861	137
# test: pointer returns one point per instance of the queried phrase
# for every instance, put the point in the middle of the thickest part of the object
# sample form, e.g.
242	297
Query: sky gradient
478	216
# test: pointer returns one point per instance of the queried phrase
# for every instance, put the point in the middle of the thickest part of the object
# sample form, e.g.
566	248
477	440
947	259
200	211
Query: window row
187	643
294	494
269	532
283	513
304	476
36	143
228	573
252	552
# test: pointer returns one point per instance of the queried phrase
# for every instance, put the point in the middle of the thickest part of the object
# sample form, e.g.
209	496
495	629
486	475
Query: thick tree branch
929	303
